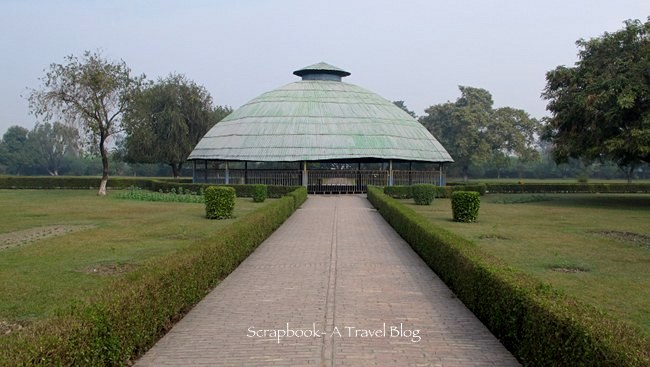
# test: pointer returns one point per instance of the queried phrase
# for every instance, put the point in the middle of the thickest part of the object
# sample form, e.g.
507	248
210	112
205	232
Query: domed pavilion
322	133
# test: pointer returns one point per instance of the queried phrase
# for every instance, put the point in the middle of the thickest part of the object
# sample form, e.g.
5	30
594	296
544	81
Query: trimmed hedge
154	184
535	188
120	322
465	206
423	194
242	191
79	182
219	202
299	196
539	325
406	192
259	193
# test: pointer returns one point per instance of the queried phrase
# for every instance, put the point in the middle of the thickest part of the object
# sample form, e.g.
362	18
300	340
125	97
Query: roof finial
321	71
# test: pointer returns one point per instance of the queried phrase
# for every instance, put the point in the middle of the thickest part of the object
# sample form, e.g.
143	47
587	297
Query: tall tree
512	133
167	119
601	106
474	133
52	143
90	92
461	126
402	105
14	150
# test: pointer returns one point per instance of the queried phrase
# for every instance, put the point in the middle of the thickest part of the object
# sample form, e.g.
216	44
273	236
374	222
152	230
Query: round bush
423	194
465	205
219	202
260	193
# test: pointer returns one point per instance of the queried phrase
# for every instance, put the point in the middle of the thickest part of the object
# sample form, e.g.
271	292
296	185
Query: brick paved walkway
337	269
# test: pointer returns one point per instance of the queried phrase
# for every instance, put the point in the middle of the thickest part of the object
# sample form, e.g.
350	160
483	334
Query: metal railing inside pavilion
320	177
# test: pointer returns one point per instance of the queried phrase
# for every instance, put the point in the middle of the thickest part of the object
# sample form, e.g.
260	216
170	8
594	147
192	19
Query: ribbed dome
319	119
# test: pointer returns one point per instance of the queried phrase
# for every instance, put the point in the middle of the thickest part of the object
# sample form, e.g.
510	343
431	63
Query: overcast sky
416	51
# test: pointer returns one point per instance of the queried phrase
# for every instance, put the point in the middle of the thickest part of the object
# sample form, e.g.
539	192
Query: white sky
416	51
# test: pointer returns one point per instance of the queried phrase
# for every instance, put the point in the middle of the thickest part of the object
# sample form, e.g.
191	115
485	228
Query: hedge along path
334	266
110	328
541	326
27	236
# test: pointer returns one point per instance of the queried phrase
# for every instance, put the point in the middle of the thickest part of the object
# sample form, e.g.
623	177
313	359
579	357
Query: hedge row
550	188
79	182
539	325
121	322
406	192
154	184
242	191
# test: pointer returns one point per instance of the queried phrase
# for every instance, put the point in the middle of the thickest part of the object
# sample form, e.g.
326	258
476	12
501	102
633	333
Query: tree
52	143
167	119
474	133
460	126
402	105
91	92
512	133
14	150
601	106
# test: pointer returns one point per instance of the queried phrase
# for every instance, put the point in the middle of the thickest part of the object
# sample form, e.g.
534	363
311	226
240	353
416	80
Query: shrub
465	206
423	194
539	325
260	193
219	202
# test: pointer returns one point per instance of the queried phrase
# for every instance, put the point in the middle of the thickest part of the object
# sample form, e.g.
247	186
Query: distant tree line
599	124
96	117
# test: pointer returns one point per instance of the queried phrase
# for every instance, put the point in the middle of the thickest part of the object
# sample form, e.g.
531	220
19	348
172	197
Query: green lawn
593	246
112	237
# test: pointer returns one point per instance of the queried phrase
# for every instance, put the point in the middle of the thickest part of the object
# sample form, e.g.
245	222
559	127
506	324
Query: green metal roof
319	120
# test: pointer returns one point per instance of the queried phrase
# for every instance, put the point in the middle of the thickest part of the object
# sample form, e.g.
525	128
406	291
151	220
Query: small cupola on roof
321	71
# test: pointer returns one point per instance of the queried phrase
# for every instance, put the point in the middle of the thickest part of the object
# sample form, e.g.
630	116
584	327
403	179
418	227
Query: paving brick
338	267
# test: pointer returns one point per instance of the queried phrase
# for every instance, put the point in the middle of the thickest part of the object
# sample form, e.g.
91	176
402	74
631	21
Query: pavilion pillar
246	173
440	182
390	172
227	175
205	171
305	177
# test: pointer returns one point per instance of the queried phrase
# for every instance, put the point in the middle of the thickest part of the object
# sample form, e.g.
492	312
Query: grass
115	236
593	246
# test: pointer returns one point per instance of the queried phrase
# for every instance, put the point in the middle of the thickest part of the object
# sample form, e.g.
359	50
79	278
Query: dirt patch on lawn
109	269
493	236
636	238
7	328
24	237
568	269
